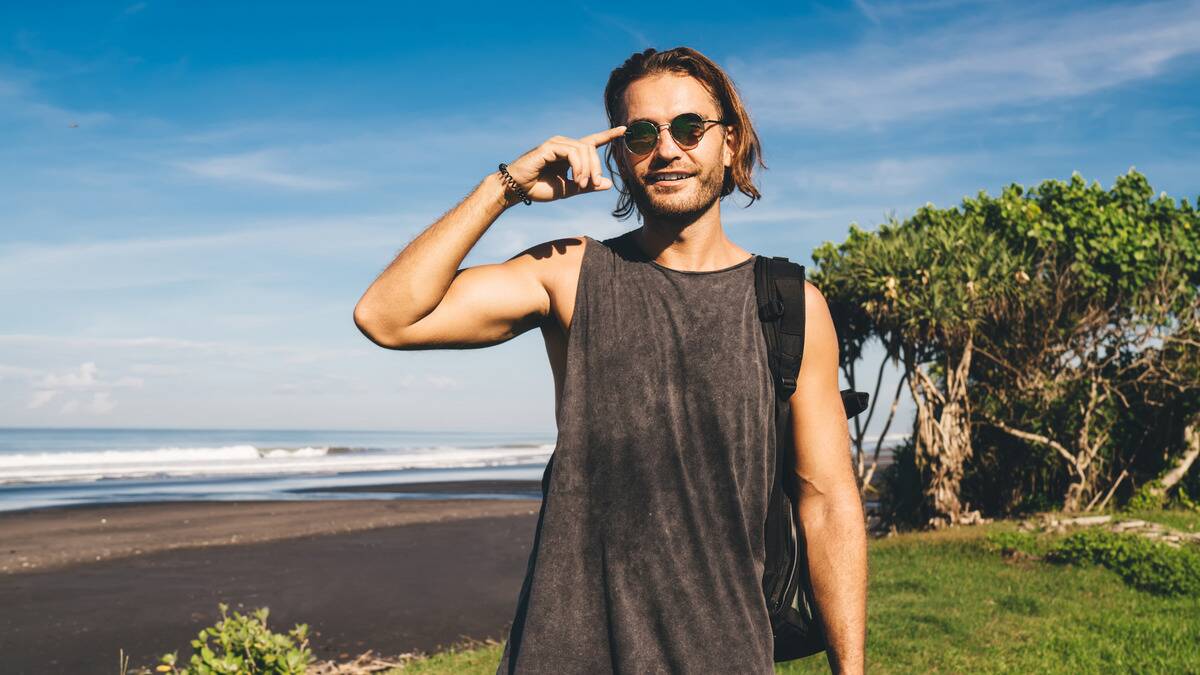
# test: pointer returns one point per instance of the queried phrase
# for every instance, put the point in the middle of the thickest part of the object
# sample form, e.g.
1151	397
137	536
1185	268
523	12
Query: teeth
673	176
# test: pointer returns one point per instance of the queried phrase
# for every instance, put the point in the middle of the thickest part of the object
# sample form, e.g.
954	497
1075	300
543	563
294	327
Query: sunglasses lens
641	137
687	129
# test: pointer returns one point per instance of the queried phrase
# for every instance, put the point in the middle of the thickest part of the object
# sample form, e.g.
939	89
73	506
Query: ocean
42	467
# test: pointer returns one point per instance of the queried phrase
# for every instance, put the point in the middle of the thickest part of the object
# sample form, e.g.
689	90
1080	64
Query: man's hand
829	511
542	172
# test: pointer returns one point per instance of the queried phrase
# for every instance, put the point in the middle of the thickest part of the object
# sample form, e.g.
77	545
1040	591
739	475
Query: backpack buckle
787	385
771	310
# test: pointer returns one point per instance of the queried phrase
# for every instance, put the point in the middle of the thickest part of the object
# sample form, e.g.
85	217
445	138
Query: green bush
1008	543
244	644
1145	498
1182	500
1144	564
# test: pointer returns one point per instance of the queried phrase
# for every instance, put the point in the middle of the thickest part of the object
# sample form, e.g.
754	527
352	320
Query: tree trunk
1191	439
943	438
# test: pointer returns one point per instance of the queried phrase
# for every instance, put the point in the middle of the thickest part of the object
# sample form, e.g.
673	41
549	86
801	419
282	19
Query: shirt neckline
723	269
637	250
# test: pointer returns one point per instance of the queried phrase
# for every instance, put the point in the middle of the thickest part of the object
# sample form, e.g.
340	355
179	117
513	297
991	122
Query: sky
194	196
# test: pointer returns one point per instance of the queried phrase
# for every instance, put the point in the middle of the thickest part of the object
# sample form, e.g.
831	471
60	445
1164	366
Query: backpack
779	286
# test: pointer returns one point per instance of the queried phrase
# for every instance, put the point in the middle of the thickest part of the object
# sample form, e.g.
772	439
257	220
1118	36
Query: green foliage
1144	564
243	644
1008	543
1147	498
1082	306
1184	501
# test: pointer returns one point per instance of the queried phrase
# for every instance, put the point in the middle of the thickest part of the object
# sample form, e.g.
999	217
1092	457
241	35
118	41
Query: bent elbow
374	331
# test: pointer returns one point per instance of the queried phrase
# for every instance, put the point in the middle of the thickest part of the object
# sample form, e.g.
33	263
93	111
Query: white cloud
293	353
979	63
41	398
260	167
441	382
17	371
101	403
157	369
82	380
204	257
880	177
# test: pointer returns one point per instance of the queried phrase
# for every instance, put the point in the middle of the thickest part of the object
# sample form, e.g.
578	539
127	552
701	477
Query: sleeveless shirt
649	551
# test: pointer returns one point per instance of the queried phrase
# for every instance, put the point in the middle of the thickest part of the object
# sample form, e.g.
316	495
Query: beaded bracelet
521	193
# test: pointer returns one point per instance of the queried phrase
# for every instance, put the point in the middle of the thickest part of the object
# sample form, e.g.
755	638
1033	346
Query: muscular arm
829	512
423	301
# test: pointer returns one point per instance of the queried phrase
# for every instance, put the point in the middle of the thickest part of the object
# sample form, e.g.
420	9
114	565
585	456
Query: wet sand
394	576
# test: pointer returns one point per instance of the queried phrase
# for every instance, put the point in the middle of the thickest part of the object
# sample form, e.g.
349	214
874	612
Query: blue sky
194	196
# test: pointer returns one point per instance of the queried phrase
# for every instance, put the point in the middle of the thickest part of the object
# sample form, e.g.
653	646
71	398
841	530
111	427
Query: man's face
659	99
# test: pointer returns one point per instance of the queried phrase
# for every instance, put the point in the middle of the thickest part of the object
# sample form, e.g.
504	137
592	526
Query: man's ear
729	151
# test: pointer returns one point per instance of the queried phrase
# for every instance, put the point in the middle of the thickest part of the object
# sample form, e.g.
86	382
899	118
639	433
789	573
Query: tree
1102	324
1055	323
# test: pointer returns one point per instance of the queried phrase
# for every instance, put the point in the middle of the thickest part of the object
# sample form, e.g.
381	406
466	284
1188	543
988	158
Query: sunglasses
687	130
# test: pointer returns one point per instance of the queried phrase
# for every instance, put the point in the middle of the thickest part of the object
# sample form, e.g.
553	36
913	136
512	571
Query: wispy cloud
260	168
88	391
19	102
149	343
877	12
140	262
983	62
887	176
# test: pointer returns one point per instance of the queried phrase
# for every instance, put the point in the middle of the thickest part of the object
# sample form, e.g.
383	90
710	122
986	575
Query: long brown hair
686	61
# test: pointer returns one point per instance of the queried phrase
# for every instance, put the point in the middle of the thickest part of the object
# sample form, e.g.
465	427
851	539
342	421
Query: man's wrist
501	192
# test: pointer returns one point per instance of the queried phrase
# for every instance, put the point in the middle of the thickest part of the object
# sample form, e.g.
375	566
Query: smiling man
649	550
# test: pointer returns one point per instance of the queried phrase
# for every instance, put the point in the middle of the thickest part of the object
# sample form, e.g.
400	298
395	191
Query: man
649	550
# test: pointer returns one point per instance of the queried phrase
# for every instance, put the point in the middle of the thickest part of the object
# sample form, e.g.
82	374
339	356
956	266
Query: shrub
1147	497
1144	564
244	644
1010	543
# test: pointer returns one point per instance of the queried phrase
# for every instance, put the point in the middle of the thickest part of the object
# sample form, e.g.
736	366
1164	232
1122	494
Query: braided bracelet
521	193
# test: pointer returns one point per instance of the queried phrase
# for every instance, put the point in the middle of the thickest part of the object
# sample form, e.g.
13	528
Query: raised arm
424	301
829	509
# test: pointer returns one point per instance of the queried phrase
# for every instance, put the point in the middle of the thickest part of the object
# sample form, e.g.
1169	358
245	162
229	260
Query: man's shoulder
556	261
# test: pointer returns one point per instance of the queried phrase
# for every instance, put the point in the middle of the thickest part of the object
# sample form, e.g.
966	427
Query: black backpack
779	284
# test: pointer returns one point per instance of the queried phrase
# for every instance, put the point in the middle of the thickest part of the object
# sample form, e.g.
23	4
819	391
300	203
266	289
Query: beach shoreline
54	537
395	576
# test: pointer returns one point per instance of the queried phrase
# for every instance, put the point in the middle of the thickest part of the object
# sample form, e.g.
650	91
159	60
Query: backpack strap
780	289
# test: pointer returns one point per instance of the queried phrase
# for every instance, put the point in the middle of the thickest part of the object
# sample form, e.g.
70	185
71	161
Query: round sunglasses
687	130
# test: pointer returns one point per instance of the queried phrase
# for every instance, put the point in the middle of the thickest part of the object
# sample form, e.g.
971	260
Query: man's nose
667	148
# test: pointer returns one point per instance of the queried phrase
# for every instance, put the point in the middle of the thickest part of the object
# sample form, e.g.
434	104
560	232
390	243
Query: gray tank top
648	553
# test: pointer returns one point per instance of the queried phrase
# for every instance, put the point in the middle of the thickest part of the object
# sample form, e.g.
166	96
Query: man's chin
666	207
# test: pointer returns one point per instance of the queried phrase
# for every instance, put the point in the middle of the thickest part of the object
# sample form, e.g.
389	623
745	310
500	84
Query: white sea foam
248	460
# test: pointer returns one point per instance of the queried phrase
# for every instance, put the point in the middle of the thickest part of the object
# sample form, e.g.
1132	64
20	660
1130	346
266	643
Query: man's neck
696	246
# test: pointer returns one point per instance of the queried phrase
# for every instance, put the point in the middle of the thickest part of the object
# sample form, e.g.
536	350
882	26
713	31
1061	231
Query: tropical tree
1102	325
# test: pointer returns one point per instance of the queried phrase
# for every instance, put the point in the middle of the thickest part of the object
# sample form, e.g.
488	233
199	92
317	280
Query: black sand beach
393	576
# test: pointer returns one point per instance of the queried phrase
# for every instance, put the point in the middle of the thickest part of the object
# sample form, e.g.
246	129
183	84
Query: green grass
939	602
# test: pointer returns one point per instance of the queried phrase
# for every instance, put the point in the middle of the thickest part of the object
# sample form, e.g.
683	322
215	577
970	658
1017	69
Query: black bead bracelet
521	193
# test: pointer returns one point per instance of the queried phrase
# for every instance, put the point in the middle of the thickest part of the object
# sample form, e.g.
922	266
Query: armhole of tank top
580	289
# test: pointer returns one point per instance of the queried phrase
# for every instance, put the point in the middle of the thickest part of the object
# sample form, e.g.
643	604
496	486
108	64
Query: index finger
601	137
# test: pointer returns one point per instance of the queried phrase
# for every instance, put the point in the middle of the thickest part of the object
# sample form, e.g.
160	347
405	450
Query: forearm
836	543
417	279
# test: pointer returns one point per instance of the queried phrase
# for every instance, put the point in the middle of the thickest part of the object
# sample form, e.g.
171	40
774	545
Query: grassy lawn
940	603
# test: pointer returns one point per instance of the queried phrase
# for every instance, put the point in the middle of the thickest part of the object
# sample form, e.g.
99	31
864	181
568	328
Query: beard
681	204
